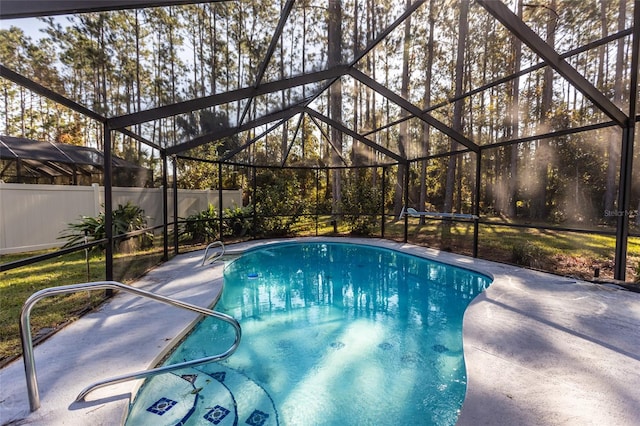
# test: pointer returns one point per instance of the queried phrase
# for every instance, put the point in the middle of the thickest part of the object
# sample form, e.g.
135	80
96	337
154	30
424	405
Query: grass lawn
565	253
49	314
18	284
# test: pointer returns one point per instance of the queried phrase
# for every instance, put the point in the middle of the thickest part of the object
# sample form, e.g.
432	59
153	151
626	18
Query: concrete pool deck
540	349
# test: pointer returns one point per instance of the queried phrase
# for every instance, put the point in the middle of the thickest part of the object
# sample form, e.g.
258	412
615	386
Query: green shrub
279	204
528	254
126	218
202	226
237	221
360	204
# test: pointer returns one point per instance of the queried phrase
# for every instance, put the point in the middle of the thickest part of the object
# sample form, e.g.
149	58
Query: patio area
539	349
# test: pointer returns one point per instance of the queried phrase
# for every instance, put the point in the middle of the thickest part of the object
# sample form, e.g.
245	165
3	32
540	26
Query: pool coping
539	348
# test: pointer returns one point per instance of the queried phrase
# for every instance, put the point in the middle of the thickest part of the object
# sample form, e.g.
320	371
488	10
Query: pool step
253	404
208	395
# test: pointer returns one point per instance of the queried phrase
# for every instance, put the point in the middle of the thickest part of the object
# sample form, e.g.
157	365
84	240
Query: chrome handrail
27	345
217	255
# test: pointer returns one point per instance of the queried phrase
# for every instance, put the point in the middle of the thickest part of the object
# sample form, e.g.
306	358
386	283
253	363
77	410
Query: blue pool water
333	334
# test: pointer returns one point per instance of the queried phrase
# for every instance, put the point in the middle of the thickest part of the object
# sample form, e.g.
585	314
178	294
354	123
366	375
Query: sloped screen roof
12	148
293	80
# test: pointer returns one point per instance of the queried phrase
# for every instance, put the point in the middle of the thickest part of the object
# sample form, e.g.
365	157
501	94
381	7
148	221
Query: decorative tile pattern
257	418
161	406
216	414
385	346
219	376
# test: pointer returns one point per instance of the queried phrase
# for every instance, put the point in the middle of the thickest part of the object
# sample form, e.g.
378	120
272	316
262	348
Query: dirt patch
581	267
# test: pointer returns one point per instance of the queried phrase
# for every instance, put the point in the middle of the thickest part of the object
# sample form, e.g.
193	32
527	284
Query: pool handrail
217	255
27	345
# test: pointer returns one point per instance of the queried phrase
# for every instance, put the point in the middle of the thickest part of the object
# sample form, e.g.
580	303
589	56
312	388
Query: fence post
3	215
96	199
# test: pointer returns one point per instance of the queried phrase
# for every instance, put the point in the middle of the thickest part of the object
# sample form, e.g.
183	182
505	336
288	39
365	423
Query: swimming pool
333	333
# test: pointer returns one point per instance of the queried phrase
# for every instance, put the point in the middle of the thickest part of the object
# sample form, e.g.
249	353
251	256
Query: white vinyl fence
32	217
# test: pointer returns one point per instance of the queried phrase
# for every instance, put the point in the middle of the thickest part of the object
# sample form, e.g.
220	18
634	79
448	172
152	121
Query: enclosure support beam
295	134
508	78
165	207
108	204
372	45
286	11
406	199
476	203
255	205
224	98
346	130
246	145
515	25
12	9
48	93
220	197
328	139
230	131
412	109
175	204
626	156
624	193
139	138
317	197
384	190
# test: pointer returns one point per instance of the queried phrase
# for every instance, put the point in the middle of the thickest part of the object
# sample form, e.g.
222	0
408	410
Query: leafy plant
279	204
126	218
237	221
91	227
360	203
527	253
202	226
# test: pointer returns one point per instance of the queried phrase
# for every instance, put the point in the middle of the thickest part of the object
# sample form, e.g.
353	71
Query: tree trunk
514	124
426	129
404	126
138	84
335	94
543	154
463	29
285	127
370	114
355	149
613	136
